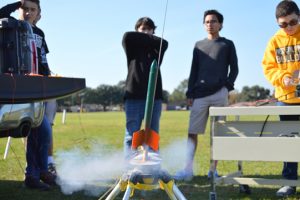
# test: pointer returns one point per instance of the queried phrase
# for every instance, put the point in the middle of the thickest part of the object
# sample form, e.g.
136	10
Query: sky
84	37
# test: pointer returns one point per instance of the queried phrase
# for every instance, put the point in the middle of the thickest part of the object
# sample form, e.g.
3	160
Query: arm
273	73
9	8
44	52
193	75
234	70
44	63
137	40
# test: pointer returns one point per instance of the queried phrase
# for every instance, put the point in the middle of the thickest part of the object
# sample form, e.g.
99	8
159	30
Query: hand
288	81
190	102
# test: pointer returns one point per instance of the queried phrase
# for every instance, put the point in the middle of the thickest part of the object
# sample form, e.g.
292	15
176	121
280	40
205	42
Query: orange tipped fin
152	140
138	139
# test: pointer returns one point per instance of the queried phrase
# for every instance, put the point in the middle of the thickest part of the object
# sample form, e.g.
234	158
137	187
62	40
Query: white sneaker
286	191
184	175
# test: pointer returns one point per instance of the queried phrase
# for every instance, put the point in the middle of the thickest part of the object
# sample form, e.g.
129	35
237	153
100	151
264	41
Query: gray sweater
214	66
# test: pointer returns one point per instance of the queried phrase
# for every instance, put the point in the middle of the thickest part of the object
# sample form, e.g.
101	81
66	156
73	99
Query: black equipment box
18	53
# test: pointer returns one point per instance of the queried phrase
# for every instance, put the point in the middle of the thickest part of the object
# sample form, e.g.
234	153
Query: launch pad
146	175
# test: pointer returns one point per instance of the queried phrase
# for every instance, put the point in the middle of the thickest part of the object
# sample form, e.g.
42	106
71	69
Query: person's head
145	25
213	21
30	10
287	16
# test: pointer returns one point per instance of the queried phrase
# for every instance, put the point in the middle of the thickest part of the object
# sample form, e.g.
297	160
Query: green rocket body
150	94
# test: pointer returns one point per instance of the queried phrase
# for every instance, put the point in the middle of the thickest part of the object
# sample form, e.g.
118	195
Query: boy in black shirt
213	73
141	48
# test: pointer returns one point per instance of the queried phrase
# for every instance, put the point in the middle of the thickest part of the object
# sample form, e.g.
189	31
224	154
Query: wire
16	156
9	113
159	61
267	102
162	34
263	127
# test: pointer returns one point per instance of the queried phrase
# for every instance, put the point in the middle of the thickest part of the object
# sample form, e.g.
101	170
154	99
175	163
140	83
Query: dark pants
38	142
290	169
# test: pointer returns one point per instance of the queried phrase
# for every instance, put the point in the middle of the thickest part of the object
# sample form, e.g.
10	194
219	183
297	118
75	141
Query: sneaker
209	174
48	178
52	169
184	175
34	183
286	191
245	189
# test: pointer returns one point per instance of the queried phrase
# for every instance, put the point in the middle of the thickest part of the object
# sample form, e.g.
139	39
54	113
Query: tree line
112	95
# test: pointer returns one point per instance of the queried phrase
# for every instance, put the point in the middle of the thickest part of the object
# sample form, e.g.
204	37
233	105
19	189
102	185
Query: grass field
87	130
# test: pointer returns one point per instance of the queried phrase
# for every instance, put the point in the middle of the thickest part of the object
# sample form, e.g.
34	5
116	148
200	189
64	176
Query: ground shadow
16	190
198	188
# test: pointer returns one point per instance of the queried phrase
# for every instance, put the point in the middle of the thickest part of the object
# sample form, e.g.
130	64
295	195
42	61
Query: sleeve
45	64
271	70
137	40
234	70
193	74
9	8
44	52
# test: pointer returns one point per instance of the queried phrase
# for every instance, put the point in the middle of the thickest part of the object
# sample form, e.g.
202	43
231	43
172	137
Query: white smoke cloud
90	171
174	156
94	171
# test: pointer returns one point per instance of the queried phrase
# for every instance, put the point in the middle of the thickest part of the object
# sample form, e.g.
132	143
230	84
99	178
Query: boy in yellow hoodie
281	64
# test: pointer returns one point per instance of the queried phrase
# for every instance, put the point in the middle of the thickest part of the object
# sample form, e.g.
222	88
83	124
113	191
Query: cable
18	160
10	111
162	34
263	127
267	102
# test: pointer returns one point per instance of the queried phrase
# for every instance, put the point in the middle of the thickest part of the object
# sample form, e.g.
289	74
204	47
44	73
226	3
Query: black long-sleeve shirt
214	66
141	49
42	48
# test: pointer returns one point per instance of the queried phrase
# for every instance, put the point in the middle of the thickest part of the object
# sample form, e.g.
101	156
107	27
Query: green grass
89	129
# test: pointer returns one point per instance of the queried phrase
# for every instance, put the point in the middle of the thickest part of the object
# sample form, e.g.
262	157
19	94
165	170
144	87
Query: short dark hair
145	21
285	8
37	2
214	12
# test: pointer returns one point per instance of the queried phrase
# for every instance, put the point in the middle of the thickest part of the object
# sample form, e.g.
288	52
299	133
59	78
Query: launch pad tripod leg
172	190
114	192
169	187
127	193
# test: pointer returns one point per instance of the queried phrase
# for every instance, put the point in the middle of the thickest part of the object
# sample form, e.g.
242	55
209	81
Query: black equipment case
18	53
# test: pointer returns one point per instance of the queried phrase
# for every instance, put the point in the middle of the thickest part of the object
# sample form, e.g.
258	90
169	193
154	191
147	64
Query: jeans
290	169
135	110
38	142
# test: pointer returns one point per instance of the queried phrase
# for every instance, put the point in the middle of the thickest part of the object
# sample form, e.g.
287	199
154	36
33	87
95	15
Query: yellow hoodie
281	59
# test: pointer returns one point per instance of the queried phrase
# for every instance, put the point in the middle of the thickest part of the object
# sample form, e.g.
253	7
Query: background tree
253	93
166	96
117	94
233	97
105	95
178	95
90	96
112	95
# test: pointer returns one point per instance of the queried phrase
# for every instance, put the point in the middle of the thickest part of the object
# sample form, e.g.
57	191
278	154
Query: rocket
148	137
